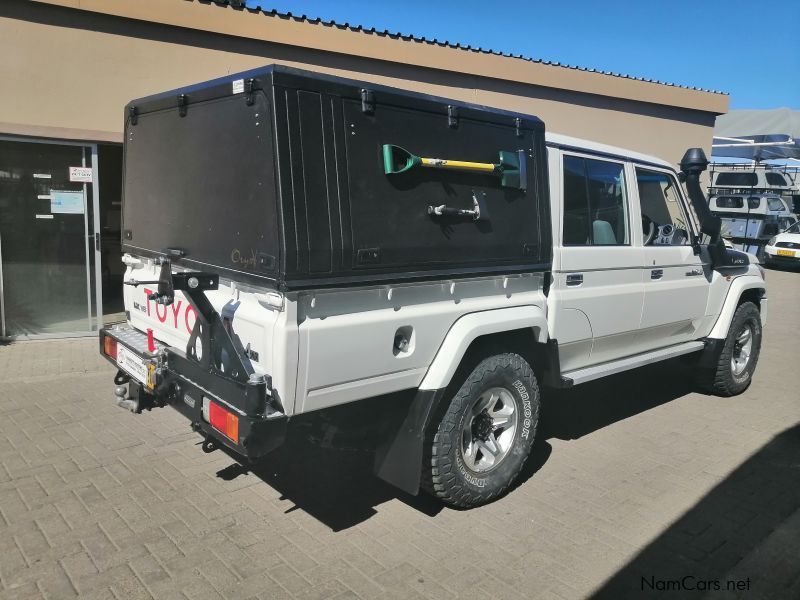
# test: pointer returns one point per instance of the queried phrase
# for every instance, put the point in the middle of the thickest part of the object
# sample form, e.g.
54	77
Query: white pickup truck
285	255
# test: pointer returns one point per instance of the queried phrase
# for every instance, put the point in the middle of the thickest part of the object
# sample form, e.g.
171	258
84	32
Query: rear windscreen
203	183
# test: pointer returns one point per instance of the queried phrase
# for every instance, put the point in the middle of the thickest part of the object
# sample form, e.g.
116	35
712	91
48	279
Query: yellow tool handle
463	165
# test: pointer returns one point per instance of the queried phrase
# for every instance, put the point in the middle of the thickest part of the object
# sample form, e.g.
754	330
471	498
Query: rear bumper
175	380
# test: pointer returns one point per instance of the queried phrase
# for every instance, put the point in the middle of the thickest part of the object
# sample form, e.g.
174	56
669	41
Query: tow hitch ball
131	404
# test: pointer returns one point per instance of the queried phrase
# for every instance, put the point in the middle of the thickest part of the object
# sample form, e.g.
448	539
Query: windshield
794	228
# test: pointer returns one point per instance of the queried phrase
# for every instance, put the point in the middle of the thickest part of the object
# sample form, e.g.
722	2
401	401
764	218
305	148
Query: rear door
676	281
202	180
595	303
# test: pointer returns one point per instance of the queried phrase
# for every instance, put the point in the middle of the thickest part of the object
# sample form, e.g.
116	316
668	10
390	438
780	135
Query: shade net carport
758	135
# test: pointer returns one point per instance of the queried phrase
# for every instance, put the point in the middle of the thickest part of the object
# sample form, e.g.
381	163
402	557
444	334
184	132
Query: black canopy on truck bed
290	179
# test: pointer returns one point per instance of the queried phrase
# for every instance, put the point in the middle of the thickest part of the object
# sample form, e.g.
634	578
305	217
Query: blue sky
680	41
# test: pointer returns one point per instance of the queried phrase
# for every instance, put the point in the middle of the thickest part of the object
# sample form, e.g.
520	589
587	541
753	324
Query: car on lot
296	242
784	248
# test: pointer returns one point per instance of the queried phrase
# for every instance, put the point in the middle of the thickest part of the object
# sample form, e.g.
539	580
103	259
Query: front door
46	254
676	282
596	299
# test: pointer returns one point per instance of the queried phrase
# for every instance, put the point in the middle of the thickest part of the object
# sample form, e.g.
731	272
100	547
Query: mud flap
710	354
398	460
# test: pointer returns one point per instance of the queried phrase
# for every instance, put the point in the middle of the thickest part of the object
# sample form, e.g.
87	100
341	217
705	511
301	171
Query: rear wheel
737	360
485	434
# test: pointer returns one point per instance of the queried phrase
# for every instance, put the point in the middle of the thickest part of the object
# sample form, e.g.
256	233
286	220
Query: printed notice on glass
70	203
80	174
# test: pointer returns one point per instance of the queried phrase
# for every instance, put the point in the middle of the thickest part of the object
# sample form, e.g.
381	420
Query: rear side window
737	179
730	202
776	179
595	203
775	204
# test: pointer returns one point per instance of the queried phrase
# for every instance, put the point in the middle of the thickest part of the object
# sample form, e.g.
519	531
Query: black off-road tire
721	379
445	473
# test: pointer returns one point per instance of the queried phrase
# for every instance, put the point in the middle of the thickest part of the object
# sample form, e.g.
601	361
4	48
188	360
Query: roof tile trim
446	44
219	17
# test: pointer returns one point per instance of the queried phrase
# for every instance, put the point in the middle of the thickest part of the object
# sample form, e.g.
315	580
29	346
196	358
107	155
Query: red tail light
223	421
110	347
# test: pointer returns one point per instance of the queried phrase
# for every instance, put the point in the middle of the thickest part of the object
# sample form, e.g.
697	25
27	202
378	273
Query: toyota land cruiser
295	242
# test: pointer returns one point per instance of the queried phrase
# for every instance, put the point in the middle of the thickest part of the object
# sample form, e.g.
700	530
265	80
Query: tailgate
253	314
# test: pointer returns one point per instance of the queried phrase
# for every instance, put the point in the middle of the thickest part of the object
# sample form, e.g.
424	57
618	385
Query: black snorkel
693	163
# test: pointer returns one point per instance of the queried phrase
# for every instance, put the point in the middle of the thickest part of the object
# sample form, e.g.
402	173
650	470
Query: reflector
225	422
110	347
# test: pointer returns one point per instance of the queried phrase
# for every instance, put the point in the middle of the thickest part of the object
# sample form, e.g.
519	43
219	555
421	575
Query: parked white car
784	248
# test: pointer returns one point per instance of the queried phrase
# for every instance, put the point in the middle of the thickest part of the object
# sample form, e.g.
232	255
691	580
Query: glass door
46	256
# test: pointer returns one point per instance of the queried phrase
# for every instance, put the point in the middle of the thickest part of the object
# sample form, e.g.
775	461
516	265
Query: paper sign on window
70	203
80	174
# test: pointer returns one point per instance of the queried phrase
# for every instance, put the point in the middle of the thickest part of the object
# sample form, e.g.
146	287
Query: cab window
595	203
663	219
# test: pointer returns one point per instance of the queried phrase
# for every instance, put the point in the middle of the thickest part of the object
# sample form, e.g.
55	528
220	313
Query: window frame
683	204
623	163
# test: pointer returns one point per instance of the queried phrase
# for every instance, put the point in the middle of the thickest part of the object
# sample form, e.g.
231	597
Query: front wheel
737	361
485	434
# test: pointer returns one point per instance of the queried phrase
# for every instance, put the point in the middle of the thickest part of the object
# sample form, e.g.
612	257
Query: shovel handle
462	165
510	168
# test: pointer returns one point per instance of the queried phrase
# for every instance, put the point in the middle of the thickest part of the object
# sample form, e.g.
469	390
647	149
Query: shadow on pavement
745	531
329	476
572	413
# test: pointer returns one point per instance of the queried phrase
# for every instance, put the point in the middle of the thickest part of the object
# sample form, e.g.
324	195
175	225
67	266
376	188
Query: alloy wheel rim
742	350
488	430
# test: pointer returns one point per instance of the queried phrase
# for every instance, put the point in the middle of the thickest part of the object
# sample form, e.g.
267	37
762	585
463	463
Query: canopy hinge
367	102
452	116
249	87
183	101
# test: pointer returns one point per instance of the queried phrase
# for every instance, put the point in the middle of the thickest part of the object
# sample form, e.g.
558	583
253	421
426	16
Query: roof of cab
564	141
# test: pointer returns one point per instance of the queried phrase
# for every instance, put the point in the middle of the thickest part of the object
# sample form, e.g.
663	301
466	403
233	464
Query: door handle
574	279
694	273
656	273
97	242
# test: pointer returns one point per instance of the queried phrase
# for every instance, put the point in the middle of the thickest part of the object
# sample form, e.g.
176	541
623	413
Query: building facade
68	67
